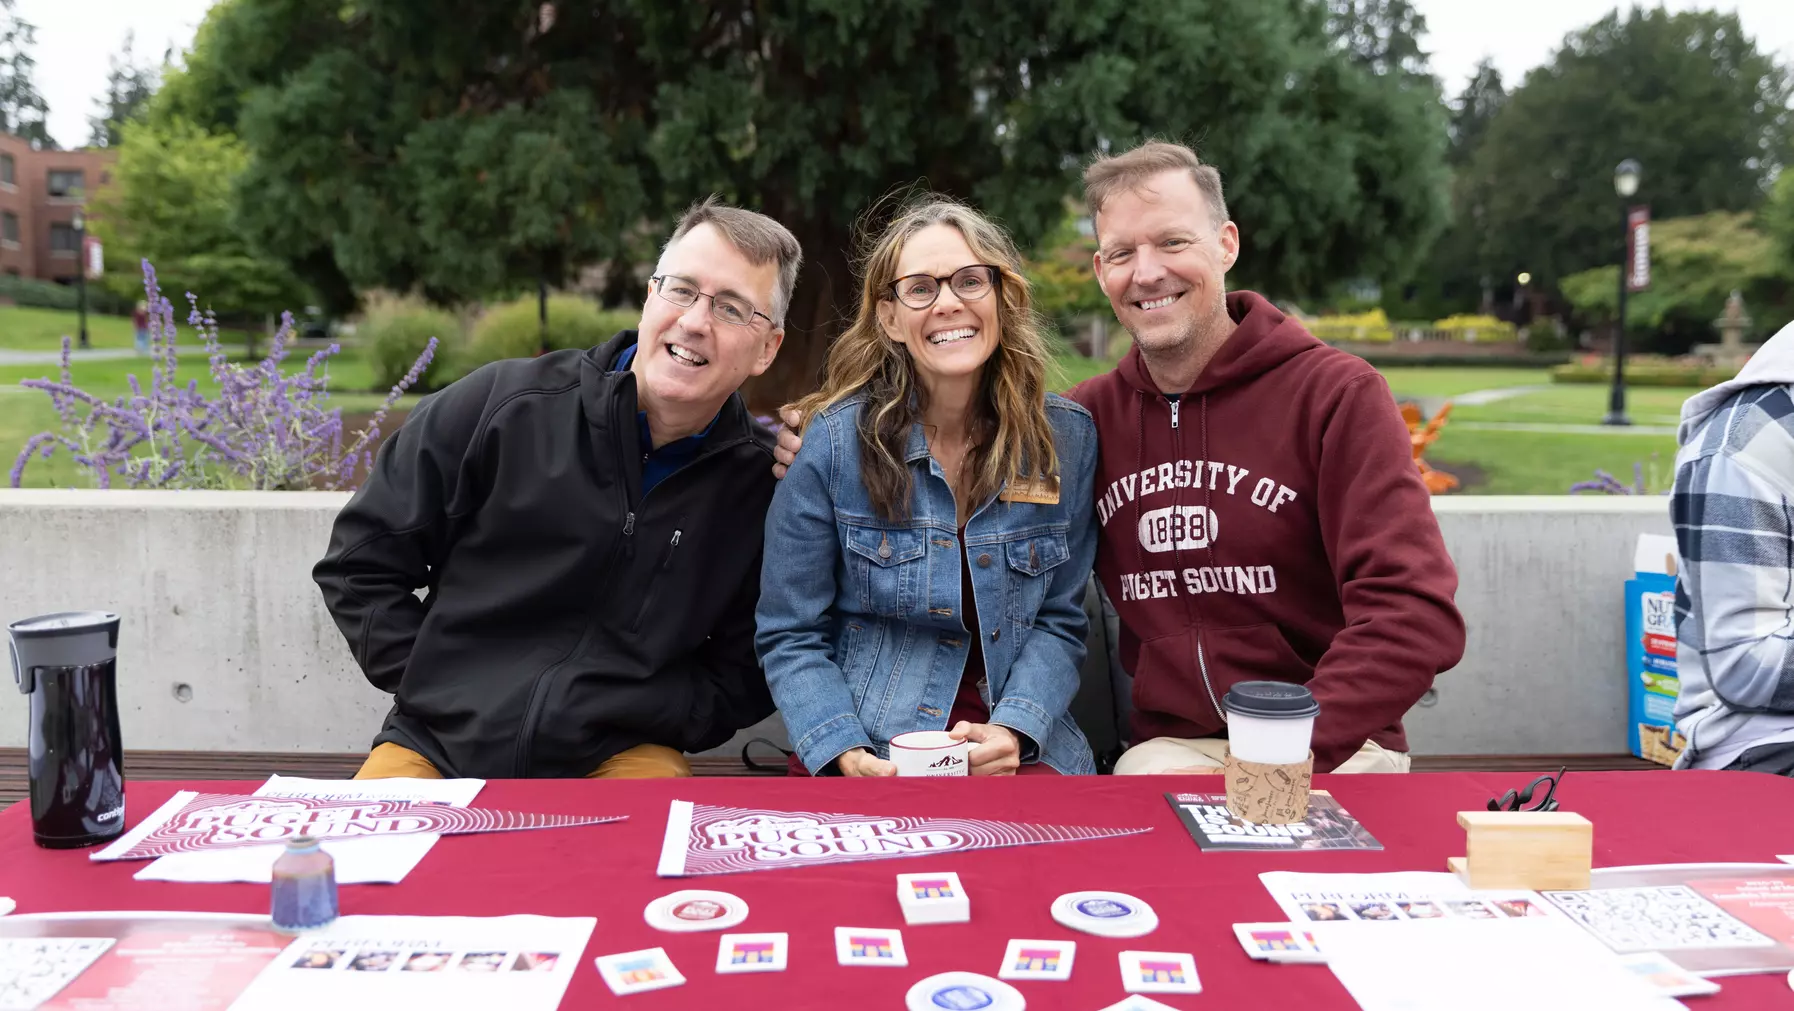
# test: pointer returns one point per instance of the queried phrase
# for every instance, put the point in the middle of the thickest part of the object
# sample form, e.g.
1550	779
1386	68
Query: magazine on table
1327	827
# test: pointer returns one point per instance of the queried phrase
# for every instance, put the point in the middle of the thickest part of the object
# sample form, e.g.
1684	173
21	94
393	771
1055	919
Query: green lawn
1582	404
1533	463
1543	463
1449	382
27	329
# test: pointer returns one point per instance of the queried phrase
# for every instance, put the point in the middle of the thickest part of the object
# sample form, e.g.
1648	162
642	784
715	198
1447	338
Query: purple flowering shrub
1607	484
263	429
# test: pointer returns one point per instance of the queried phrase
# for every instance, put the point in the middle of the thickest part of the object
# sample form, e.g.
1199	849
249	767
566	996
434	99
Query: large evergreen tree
465	146
129	86
1687	94
23	110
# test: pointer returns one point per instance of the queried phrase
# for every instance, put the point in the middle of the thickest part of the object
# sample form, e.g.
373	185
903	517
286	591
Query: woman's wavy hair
1011	437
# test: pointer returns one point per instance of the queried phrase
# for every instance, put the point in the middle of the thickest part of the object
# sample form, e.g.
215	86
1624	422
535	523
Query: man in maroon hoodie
1262	515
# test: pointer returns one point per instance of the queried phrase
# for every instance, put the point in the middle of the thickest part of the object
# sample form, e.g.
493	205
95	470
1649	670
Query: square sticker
869	946
1669	979
1030	959
752	952
635	971
1274	941
1159	972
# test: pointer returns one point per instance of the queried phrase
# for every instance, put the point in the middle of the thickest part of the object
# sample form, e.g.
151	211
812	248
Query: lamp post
79	221
1625	184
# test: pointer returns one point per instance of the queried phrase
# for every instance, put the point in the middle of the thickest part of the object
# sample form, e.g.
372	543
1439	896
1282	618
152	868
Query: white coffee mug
930	753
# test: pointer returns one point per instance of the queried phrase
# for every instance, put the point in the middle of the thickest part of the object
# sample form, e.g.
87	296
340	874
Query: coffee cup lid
1271	700
64	623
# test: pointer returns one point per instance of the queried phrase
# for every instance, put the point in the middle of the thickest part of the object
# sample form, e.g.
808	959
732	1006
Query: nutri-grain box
1651	678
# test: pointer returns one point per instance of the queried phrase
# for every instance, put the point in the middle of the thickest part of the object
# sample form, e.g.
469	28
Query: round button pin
964	991
1105	914
685	911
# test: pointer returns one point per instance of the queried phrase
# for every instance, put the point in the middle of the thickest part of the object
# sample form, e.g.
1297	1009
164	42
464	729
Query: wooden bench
257	765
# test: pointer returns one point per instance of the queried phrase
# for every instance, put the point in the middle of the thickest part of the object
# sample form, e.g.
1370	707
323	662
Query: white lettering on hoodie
1200	475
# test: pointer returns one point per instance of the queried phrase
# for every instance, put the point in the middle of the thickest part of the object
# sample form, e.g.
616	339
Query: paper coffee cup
930	753
1270	722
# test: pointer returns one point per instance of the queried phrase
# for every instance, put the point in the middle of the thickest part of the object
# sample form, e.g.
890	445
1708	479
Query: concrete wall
226	646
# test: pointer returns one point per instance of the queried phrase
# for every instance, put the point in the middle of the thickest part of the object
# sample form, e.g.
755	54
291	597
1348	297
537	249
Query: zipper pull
1174	406
629	524
666	561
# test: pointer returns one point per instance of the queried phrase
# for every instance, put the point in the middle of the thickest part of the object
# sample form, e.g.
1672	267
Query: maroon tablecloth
607	871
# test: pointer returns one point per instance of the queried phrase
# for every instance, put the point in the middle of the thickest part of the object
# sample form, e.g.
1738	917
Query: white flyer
519	963
358	861
1540	963
1657	918
34	969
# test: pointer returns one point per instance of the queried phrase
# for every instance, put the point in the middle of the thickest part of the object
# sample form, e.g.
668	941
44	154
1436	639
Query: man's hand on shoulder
789	442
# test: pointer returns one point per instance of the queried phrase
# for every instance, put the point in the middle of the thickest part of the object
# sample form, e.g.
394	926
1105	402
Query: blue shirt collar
685	446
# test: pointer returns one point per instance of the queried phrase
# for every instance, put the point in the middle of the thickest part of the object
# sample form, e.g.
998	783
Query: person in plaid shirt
1733	508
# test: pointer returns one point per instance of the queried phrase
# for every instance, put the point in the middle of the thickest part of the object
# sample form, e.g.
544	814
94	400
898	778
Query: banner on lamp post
93	258
1638	249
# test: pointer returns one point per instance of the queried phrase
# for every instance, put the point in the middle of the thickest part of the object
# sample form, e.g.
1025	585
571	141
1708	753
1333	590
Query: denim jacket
859	626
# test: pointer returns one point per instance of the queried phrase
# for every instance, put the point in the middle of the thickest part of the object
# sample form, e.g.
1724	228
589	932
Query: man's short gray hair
758	237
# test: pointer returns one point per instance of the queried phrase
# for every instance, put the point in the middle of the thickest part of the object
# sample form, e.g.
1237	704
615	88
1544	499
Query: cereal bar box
1651	678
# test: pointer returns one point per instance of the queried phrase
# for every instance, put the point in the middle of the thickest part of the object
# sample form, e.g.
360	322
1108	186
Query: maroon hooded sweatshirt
1270	524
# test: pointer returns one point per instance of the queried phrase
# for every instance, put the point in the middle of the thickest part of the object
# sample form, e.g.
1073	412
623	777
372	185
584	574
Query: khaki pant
1164	754
644	761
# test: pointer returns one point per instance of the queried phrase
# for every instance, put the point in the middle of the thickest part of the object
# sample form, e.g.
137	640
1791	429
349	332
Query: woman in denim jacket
927	553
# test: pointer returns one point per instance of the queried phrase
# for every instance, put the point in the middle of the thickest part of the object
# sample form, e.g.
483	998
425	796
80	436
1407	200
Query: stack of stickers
933	898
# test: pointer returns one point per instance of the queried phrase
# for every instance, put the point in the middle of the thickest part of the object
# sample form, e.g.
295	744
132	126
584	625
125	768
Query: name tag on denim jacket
1038	491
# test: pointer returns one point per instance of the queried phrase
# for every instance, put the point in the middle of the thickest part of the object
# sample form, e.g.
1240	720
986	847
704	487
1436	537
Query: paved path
1555	429
15	356
1477	398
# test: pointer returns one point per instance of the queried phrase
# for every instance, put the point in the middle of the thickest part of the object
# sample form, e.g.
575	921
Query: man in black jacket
587	526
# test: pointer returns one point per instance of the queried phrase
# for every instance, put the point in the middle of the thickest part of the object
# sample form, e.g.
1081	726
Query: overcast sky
1521	34
76	38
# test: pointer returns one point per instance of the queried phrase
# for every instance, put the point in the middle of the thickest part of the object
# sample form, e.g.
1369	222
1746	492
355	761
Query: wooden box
1525	849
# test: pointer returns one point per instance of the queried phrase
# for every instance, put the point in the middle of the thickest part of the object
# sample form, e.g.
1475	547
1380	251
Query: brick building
39	192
